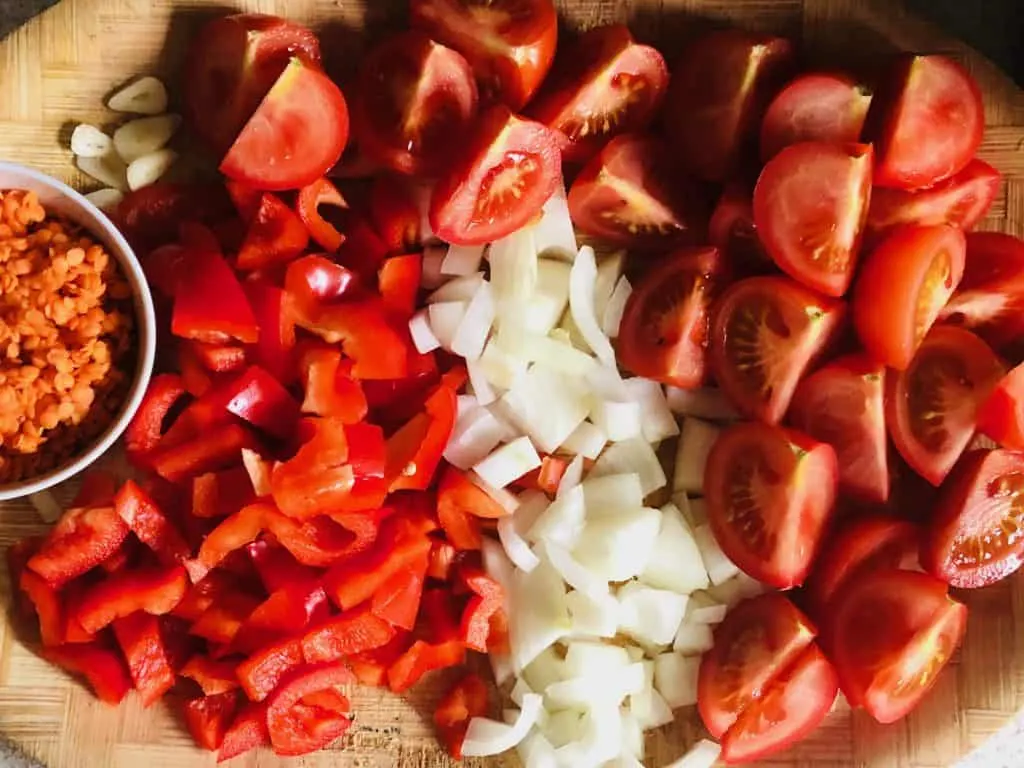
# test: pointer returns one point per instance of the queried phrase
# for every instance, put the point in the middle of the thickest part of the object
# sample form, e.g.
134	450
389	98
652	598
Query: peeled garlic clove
149	168
90	141
147	134
145	96
105	199
109	169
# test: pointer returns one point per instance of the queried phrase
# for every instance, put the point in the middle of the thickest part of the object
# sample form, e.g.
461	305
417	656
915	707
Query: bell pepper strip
204	593
399	282
288	610
235	532
98	489
363	250
246	199
307	205
221	621
258	469
458	495
415	451
261	672
217	358
101	667
145	519
213	676
82	539
195	376
147	426
121	559
275	234
378	346
141	641
461	527
421	658
488	598
46	602
216	449
257	397
397	601
18	555
248	731
363	526
74	632
277	567
319	542
371	667
441	560
313	282
546	477
395	214
297	719
498	636
398	400
355	631
274	350
463	701
211	305
329	386
209	717
219	494
153	590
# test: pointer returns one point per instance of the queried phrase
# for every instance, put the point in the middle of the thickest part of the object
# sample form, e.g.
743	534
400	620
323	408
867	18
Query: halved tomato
991	257
932	407
765	332
664	330
732	231
770	492
631	194
231	65
415	101
926	122
817	106
509	43
298	132
810	204
498	182
843	404
605	84
1001	416
890	633
903	285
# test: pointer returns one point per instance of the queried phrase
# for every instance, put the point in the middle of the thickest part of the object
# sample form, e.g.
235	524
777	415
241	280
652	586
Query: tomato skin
775	536
509	48
972	541
669	345
902	286
1001	416
810	204
732	230
991	257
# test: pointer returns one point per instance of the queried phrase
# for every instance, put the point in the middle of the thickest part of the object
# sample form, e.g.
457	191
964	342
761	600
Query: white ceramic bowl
62	200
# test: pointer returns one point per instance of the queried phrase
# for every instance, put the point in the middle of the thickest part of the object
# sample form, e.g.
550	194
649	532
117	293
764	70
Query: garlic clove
145	135
109	169
147	169
145	96
106	199
89	141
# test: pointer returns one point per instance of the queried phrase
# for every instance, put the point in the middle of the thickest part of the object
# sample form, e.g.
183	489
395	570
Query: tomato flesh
991	257
1001	416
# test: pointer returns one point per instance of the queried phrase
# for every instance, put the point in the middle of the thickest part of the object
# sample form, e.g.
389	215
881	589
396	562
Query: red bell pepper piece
277	567
125	556
363	526
378	346
72	595
248	731
147	426
222	620
307	205
165	266
488	598
213	676
371	667
233	533
398	599
442	559
217	448
97	489
211	306
546	477
18	555
198	237
261	672
204	593
421	658
329	386
398	400
142	515
82	539
153	590
319	542
260	399
219	494
298	726
288	610
399	282
355	631
460	525
46	602
464	701
195	376
440	615
313	282
209	717
416	449
275	234
217	358
246	199
258	468
395	214
274	350
363	250
142	644
102	668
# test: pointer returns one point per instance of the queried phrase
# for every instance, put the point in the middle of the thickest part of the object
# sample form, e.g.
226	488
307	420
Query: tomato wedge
1001	416
817	106
902	287
298	132
664	330
926	123
843	404
769	493
605	85
974	539
931	408
509	43
498	183
890	633
732	230
631	195
415	101
810	204
991	257
765	332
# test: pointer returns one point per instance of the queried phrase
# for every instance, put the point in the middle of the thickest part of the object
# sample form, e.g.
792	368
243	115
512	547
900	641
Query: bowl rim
145	318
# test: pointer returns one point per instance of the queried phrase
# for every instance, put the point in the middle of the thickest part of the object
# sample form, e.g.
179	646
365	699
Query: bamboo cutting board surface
56	71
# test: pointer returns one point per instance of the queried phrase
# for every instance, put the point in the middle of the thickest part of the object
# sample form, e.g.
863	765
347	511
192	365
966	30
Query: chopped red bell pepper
274	348
246	199
318	542
102	668
274	235
142	644
277	567
399	282
149	524
288	610
18	555
153	590
440	614
497	637
213	676
220	622
211	306
74	632
82	539
248	731
297	718
235	532
488	598
398	400
546	477
352	632
97	489
195	376
198	237
147	426
219	494
209	717
464	701
397	601
258	468
316	281
442	559
307	205
460	525
415	450
218	447
217	358
125	556
421	658
363	250
378	346
261	672
46	602
395	214
363	526
258	398
166	266
204	593
329	386
371	667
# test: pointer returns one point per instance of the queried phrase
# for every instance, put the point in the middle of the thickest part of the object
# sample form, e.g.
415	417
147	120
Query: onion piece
509	462
648	615
720	568
535	751
738	588
707	614
601	739
708	403
545	670
574	574
461	260
507	500
445	319
474	437
479	383
618	420
501	667
634	455
596	687
611	319
618	547
539	614
545	307
676	562
593	615
582	657
632	741
515	546
647	705
474	328
658	421
563	520
571	477
459	289
498	566
564	727
582	278
586	440
431	276
423	337
695	510
501	369
532	504
513	261
693	639
609	271
695	441
610	494
675	678
551	353
519	690
546	405
703	754
489	737
554	233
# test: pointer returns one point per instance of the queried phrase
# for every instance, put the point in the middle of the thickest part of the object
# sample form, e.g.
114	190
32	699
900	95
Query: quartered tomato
890	633
631	194
931	407
1001	416
498	182
991	257
926	123
232	64
509	43
718	92
810	204
664	330
843	404
769	493
903	285
732	230
765	332
414	103
815	107
605	85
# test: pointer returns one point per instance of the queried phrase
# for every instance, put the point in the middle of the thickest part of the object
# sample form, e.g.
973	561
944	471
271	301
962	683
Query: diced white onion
509	462
149	168
546	405
501	667
546	669
532	504
675	678
498	566
535	751
462	260
634	455
475	435
145	96
619	420
574	574
423	337
459	289
738	588
145	135
473	330
720	568
609	271
571	477
624	761
554	232
601	740
519	690
551	353
676	562
582	278
708	403
658	421
606	383
539	614
513	261
708	615
479	382
586	440
612	317
562	522
106	199
546	305
610	494
632	741
649	707
516	548
695	510
618	547
109	169
650	616
693	639
583	657
506	500
609	686
593	615
565	727
500	368
695	441
89	141
431	276
445	318
703	754
489	737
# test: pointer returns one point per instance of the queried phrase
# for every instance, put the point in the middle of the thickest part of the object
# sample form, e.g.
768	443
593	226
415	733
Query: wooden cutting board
57	70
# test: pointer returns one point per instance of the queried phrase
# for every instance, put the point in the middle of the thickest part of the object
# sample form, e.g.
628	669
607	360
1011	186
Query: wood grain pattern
57	70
